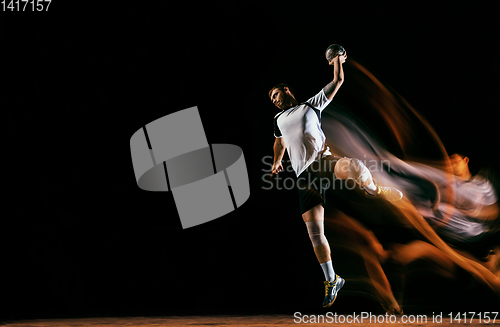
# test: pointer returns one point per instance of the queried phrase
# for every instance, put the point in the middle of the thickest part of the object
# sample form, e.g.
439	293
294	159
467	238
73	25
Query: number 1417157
25	5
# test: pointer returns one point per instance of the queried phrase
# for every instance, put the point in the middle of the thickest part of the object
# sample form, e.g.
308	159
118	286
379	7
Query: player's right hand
277	167
343	57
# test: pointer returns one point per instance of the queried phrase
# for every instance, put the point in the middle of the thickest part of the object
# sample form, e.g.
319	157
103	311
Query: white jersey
300	127
465	220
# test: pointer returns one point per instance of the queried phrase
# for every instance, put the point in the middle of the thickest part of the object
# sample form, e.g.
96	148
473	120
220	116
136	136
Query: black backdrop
79	238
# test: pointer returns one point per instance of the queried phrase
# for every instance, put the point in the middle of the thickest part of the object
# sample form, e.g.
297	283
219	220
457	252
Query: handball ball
334	50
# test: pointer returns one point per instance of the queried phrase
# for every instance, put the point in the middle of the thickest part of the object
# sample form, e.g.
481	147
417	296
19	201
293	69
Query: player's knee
356	167
342	168
316	232
358	171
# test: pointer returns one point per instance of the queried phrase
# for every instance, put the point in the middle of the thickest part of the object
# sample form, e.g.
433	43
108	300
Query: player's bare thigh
342	168
316	213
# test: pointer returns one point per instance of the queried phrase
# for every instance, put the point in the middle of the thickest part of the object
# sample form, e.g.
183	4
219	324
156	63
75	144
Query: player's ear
466	159
287	90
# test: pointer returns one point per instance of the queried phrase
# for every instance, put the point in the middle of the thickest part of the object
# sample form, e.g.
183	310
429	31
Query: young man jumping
297	128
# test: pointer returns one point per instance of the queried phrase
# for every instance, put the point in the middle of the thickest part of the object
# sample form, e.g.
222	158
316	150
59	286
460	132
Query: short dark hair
461	155
280	87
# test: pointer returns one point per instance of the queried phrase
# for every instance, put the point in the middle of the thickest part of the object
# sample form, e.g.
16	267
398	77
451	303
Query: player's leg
314	220
351	168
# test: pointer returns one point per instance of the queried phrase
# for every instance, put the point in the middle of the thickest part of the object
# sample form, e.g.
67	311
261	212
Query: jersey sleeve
277	132
319	101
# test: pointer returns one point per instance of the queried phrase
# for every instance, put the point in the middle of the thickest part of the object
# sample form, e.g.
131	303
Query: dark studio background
79	238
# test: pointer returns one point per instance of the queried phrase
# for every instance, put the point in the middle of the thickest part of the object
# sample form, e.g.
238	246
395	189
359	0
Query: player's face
278	98
459	164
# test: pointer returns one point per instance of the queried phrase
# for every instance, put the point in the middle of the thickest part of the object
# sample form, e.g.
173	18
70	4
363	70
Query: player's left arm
279	151
338	76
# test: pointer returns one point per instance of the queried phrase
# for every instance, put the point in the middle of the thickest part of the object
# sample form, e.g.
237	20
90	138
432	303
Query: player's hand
343	57
277	167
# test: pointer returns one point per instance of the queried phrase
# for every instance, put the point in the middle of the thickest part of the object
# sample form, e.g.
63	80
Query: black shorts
313	182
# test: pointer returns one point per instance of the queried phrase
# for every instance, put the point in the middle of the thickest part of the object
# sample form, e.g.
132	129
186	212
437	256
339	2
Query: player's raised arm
336	56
